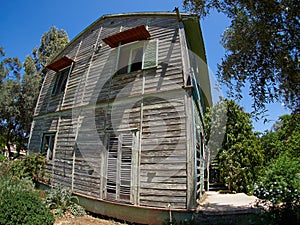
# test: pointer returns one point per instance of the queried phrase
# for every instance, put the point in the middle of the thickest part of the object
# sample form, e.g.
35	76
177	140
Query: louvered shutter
112	169
126	141
119	166
150	58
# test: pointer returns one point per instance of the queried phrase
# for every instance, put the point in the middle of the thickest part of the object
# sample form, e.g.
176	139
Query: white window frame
146	55
49	151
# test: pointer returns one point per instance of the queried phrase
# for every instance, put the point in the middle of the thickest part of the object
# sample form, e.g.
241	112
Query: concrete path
214	202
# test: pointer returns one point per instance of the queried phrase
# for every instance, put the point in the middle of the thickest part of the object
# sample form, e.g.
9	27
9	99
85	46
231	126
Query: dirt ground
213	202
84	220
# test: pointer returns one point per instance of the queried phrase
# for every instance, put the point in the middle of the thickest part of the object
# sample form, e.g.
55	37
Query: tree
19	92
262	48
284	139
30	86
240	155
52	42
9	94
279	184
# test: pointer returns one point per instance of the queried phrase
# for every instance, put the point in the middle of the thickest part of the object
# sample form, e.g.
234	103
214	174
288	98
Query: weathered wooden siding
96	102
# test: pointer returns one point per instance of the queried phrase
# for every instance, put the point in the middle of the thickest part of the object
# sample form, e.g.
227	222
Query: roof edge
108	16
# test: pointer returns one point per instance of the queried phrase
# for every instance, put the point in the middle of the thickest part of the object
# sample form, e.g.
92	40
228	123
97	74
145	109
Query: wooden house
120	115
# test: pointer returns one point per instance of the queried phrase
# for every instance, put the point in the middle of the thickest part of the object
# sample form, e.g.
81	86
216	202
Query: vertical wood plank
191	184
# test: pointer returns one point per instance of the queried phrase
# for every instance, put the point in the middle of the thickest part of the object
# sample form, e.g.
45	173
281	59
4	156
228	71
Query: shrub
281	182
279	188
30	166
5	165
60	200
3	158
19	204
12	186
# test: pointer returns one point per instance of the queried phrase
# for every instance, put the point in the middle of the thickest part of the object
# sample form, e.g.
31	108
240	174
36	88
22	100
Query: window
61	81
48	145
136	56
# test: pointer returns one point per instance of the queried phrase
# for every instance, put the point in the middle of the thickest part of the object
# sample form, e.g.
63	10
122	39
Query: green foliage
239	155
52	42
280	187
30	86
19	204
3	158
60	200
281	181
31	166
19	92
241	164
10	69
7	184
215	120
262	48
285	139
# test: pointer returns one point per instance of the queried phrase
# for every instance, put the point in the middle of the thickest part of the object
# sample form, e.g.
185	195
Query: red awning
60	64
127	36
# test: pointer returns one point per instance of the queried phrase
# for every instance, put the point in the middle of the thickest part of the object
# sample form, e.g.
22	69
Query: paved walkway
214	202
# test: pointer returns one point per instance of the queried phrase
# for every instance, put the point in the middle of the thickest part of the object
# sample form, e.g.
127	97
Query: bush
19	204
31	166
60	200
279	188
281	182
3	158
12	186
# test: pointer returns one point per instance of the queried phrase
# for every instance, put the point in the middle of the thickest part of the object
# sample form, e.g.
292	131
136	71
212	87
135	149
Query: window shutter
119	166
150	58
112	161
126	140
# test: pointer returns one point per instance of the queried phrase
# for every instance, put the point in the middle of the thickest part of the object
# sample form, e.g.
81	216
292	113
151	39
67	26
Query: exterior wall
98	110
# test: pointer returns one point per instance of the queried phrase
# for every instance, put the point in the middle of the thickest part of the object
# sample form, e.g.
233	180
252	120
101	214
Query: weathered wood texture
97	102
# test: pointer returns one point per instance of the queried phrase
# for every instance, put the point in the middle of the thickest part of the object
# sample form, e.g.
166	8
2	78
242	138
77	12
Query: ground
212	204
84	220
216	202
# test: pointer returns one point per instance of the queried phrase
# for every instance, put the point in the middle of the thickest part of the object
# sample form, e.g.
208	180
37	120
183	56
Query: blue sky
22	23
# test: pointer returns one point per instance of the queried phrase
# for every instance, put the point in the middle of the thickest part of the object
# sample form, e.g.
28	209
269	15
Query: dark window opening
61	81
48	145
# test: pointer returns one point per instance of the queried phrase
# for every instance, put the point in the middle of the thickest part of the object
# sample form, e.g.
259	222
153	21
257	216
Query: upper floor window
62	67
135	50
137	56
61	81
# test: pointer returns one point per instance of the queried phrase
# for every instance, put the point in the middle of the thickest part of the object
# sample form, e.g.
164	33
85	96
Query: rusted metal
127	36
